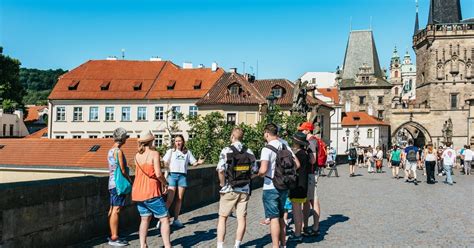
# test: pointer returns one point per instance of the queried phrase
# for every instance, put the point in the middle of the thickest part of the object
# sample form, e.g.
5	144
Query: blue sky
287	38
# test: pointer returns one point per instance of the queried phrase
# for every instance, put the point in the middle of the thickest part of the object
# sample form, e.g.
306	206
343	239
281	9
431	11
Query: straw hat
146	136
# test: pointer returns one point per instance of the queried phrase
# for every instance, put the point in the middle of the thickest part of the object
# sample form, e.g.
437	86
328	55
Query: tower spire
417	23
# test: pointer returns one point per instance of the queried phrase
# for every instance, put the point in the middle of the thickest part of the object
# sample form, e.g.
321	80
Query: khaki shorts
312	187
232	200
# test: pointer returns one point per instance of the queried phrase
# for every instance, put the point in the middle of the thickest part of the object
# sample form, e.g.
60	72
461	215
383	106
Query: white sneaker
177	223
118	242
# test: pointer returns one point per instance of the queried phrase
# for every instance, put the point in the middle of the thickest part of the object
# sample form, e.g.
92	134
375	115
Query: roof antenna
123	53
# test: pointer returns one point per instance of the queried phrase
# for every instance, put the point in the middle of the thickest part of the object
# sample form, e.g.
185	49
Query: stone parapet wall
60	212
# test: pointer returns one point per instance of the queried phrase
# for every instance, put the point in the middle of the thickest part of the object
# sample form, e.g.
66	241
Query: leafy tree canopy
11	90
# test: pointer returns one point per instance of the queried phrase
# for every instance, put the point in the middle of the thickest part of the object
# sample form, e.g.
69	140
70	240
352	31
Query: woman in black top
298	195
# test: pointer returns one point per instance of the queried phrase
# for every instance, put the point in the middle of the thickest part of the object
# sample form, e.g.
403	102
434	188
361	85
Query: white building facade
12	125
320	79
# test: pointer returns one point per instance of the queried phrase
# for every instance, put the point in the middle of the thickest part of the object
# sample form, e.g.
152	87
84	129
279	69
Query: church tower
395	74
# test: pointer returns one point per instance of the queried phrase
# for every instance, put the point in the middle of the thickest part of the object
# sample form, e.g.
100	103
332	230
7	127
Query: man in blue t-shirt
411	157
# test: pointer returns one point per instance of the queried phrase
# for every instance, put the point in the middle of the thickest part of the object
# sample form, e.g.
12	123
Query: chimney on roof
214	66
233	70
112	58
155	58
201	66
187	65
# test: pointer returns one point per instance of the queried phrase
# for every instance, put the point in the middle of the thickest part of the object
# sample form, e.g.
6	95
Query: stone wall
60	212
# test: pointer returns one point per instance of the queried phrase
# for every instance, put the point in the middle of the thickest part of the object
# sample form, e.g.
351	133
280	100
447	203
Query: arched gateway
411	130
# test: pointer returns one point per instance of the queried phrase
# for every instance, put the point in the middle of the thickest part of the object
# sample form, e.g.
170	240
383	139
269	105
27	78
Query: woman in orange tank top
148	189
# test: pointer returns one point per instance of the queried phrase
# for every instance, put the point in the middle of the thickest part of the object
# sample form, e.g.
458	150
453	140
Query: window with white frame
94	114
109	113
370	133
277	92
59	137
231	118
76	136
60	113
108	136
77	114
158	140
93	136
126	114
175	112
193	111
141	114
159	113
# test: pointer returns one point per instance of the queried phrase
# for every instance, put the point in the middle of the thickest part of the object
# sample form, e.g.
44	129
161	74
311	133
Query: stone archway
411	130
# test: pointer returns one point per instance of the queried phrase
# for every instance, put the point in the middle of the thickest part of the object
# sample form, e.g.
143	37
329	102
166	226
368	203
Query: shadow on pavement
261	242
324	227
194	239
201	218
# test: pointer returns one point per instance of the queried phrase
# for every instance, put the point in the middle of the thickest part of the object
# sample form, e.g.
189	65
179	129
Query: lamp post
375	131
271	107
348	132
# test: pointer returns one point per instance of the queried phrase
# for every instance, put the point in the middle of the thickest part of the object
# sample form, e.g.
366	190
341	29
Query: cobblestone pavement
369	210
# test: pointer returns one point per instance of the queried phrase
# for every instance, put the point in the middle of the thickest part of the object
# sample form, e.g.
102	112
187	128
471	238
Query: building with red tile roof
54	158
361	119
98	96
242	99
42	133
36	118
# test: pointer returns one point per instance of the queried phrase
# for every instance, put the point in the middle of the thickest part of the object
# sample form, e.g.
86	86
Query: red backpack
322	154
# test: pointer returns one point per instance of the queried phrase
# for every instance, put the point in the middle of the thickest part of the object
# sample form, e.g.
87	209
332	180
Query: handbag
122	185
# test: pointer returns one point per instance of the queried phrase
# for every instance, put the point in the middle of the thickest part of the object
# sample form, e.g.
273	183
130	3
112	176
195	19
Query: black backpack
239	170
411	156
353	153
285	169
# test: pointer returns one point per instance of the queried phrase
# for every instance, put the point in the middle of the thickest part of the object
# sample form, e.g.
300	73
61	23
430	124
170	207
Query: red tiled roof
125	77
361	119
251	92
220	94
184	81
52	152
33	113
38	134
331	93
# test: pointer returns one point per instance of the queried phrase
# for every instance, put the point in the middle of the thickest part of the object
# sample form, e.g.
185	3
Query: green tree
12	90
38	84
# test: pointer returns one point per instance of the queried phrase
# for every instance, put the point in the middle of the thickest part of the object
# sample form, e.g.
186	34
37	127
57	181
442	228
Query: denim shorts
177	180
116	200
274	202
155	206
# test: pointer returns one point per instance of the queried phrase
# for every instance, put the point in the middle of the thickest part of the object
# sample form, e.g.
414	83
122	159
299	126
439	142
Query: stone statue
356	136
300	93
448	131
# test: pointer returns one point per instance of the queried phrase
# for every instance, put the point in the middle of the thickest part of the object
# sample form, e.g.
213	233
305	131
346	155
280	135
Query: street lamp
348	132
375	131
271	107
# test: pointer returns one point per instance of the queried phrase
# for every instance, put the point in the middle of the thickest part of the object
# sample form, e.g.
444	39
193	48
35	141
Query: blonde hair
238	133
142	146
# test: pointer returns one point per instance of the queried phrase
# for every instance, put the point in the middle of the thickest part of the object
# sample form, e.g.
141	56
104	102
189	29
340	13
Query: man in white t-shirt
273	199
449	160
233	197
468	156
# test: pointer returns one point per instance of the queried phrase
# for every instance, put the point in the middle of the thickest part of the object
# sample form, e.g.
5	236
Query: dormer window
171	84
277	92
356	118
234	89
73	85
105	85
197	84
137	86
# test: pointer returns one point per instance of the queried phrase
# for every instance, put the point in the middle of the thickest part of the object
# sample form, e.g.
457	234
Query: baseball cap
306	126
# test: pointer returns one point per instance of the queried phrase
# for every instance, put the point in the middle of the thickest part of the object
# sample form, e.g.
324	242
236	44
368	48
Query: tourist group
290	175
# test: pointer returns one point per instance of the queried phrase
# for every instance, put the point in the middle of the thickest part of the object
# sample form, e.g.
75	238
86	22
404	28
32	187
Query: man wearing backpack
352	157
278	167
312	204
411	158
235	168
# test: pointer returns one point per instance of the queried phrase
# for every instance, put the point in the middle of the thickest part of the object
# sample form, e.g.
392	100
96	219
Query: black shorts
395	163
352	161
361	158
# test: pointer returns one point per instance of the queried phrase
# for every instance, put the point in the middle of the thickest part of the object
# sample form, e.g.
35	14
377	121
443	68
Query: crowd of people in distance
290	175
410	159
